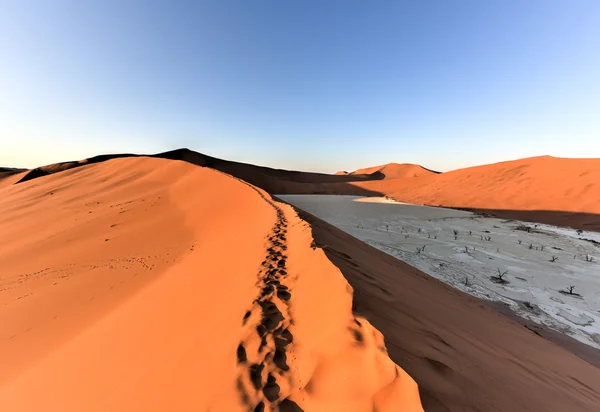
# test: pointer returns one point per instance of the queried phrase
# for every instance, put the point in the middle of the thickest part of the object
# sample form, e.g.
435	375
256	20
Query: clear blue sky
309	85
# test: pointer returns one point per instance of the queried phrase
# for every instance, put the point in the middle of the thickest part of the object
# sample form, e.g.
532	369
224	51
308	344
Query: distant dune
545	189
395	171
538	183
269	179
533	184
143	284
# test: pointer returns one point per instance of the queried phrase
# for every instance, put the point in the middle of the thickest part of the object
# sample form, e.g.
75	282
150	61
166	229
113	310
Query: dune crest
569	185
152	284
396	171
510	190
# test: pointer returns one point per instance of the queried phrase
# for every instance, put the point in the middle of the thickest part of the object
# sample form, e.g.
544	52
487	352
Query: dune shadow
269	179
575	220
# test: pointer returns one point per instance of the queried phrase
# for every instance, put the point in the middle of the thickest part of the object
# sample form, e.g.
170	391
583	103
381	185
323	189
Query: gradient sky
308	85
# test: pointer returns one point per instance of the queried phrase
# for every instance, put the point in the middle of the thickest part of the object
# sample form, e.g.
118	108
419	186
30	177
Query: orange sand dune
540	189
9	176
544	189
395	171
539	183
152	284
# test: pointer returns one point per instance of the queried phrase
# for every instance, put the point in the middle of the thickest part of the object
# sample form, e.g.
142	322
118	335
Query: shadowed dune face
152	284
585	221
271	180
463	354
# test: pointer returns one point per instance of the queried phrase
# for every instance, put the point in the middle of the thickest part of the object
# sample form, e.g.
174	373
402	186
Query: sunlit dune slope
151	284
539	183
395	171
556	190
9	176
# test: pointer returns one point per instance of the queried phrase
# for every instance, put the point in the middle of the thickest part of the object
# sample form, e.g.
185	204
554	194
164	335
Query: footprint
271	316
287	405
241	354
246	316
256	375
280	359
358	336
271	389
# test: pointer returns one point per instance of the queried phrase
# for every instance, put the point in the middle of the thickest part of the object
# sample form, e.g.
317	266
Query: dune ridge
543	189
396	171
537	183
152	284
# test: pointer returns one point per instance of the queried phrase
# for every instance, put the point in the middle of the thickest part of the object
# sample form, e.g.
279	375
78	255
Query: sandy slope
544	189
538	183
464	355
396	171
10	178
151	284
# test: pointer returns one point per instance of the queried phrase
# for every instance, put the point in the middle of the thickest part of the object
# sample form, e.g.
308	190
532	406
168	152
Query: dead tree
501	274
500	278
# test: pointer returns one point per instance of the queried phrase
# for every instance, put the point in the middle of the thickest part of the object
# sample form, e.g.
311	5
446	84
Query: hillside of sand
395	171
152	284
545	189
539	183
464	355
542	189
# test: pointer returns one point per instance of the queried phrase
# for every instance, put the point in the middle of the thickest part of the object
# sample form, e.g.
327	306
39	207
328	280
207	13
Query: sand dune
396	171
539	183
152	284
140	283
544	189
541	189
464	355
9	176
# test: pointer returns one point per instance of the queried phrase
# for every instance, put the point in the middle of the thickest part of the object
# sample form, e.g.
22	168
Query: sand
463	354
534	285
543	189
396	171
152	284
8	178
145	284
554	190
